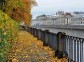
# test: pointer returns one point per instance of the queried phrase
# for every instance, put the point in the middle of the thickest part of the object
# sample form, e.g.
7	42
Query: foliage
8	32
19	10
29	49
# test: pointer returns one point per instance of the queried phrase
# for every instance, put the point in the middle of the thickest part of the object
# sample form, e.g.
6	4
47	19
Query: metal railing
63	45
74	48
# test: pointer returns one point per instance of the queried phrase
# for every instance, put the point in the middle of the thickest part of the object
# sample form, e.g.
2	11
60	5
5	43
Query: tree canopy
19	10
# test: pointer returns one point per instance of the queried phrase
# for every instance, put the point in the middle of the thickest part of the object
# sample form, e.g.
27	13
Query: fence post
36	31
46	38
61	45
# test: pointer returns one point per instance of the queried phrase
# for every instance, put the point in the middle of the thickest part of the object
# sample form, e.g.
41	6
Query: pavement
28	49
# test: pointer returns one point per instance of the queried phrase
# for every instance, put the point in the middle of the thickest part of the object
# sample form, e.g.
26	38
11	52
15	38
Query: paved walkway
29	49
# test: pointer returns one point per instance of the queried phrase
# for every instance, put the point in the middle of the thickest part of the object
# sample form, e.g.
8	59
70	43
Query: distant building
61	18
60	13
76	12
77	21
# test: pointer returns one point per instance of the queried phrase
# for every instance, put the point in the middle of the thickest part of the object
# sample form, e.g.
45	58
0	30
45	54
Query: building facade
61	18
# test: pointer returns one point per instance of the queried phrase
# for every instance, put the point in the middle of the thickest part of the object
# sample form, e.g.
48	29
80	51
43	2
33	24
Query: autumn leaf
29	49
19	10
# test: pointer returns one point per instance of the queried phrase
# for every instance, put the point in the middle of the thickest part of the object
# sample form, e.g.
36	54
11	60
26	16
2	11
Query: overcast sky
51	6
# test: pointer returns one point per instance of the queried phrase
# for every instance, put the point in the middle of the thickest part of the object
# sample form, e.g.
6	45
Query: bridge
78	27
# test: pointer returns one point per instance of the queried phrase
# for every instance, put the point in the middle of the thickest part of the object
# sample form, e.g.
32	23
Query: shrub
8	33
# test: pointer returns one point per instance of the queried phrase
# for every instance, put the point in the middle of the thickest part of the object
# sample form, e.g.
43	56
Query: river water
70	32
